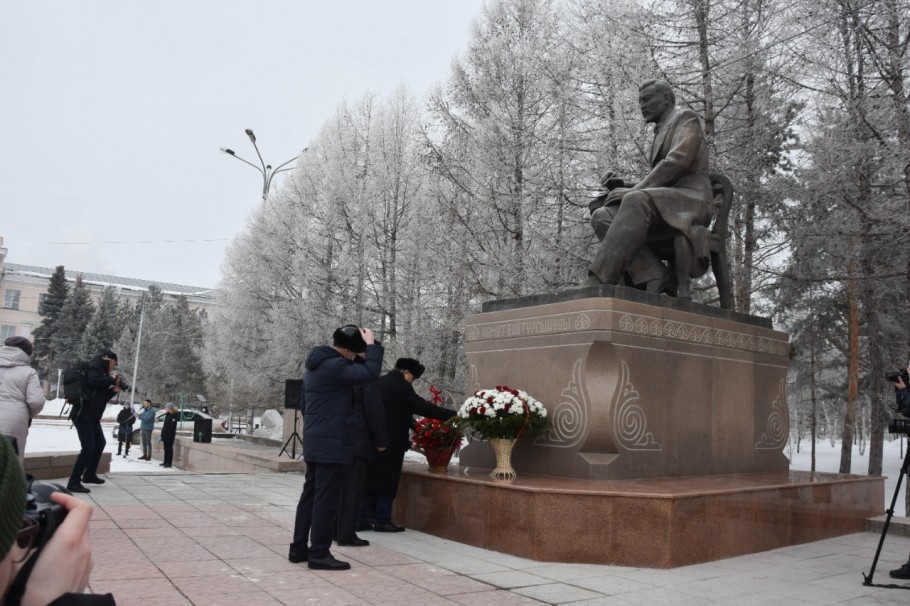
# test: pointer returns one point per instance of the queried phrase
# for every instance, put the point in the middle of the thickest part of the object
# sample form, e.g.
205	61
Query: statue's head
655	98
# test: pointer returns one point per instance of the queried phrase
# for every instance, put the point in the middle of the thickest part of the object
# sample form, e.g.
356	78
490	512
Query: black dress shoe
327	563
295	557
901	573
387	527
92	480
355	542
77	488
363	525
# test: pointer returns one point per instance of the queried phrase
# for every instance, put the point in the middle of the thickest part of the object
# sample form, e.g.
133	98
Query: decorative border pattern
681	331
569	418
636	324
630	423
778	424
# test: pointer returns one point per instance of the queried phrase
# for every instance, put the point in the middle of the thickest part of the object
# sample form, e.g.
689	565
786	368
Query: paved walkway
223	538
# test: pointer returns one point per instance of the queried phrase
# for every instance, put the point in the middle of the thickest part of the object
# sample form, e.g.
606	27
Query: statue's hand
610	180
616	195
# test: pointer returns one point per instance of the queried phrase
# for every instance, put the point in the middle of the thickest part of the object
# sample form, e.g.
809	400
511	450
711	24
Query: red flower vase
438	458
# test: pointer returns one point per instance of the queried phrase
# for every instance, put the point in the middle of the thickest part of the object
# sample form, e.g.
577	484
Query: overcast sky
114	111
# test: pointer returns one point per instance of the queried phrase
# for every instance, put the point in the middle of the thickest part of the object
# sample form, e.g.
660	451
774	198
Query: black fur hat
411	365
349	337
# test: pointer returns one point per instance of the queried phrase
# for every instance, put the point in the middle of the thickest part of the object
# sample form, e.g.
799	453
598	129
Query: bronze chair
671	245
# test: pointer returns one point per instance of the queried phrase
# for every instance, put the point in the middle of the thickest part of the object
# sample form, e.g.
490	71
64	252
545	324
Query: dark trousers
623	230
91	438
354	477
376	507
168	452
317	510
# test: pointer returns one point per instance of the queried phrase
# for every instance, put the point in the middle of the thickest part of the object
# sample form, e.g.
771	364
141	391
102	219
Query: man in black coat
328	399
401	403
369	436
169	433
102	386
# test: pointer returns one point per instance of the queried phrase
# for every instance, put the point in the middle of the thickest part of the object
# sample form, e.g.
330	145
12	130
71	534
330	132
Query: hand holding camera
63	566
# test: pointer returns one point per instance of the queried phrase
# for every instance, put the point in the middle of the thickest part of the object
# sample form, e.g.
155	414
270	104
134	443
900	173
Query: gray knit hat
12	495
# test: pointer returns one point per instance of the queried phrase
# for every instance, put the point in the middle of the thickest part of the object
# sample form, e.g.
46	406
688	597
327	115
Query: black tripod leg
867	579
292	440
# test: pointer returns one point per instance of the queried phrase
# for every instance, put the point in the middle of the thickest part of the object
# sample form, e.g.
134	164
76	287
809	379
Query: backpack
75	386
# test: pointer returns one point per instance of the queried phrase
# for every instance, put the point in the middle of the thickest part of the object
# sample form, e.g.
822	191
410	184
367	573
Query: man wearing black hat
102	386
401	403
328	399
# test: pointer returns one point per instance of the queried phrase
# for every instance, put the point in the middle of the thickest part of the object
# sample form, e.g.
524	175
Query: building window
11	299
7	331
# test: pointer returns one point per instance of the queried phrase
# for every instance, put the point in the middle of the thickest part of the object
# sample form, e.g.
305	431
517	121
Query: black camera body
903	375
39	508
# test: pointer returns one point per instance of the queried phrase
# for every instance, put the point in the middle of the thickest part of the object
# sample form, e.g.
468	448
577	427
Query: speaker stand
292	441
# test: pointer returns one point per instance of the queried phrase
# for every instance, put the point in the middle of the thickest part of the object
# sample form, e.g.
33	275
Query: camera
120	382
892	377
40	509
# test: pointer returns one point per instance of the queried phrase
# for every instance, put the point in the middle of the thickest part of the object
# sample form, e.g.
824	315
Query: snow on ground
56	435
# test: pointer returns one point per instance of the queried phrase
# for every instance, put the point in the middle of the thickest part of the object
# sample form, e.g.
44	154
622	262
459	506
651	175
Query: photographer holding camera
42	564
901	380
103	382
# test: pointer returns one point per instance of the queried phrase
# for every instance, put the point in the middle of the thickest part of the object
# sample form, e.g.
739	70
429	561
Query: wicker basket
503	450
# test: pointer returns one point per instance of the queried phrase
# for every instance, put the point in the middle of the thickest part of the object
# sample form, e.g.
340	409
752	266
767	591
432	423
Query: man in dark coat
328	399
369	436
102	386
169	433
401	403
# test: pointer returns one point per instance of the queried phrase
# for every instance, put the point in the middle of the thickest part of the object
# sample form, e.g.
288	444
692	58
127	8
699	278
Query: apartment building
23	286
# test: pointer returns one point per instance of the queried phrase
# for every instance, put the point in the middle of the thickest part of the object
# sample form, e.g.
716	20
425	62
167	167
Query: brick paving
222	538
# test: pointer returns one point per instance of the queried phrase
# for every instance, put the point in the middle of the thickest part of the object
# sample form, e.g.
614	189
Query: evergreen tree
49	309
104	328
74	318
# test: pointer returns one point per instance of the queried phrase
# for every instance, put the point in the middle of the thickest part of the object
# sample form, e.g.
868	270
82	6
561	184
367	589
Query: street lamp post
265	170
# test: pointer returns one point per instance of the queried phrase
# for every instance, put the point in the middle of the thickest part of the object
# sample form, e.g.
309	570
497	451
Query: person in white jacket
21	397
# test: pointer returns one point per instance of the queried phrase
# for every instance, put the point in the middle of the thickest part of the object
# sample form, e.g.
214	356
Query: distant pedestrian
21	397
146	417
125	421
328	398
103	384
169	433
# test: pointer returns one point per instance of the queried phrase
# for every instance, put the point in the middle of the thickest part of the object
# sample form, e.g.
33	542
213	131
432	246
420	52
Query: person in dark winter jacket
328	400
102	386
125	421
369	436
401	403
169	433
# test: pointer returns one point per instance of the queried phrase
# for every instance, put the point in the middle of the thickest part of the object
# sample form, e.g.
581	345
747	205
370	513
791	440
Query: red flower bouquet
437	441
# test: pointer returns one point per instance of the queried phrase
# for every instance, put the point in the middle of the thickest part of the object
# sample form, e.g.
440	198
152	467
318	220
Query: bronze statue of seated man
639	224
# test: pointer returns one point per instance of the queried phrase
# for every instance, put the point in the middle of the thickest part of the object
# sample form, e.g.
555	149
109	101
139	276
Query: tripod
295	438
867	579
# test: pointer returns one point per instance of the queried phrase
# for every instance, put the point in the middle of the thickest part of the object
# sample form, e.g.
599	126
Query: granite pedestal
667	424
